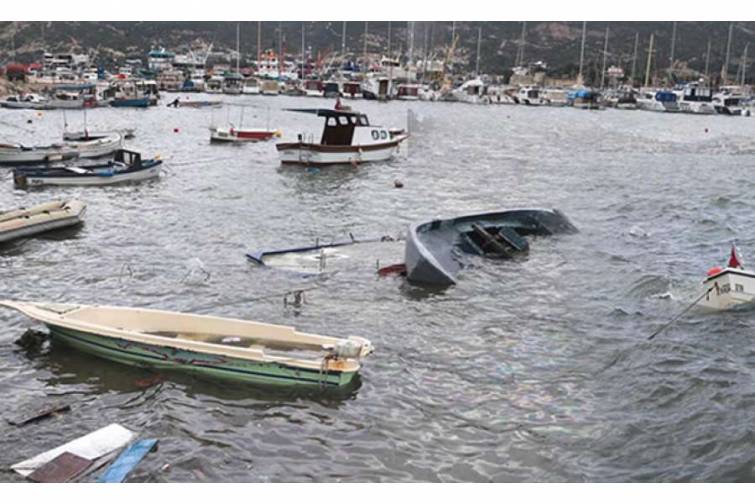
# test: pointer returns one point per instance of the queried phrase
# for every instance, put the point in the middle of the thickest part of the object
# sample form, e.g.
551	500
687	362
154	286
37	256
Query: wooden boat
730	286
347	138
16	154
223	348
434	250
25	222
231	134
27	101
126	166
99	146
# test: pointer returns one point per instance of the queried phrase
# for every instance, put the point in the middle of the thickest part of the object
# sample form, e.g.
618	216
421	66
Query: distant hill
556	43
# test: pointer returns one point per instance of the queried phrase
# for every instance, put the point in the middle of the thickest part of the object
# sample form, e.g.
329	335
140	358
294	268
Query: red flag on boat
734	261
338	104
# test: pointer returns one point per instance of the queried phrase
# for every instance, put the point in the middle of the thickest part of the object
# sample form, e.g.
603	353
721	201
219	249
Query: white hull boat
728	287
13	154
97	147
347	138
25	222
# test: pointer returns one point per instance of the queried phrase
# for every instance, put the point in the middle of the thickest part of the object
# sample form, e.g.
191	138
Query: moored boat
241	350
347	138
730	286
15	154
127	166
25	222
231	134
97	147
434	250
142	102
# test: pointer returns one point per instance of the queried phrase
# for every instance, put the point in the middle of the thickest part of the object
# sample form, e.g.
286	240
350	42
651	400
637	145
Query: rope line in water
680	314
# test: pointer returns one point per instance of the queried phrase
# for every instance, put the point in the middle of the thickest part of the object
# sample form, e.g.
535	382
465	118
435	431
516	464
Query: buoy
39	114
398	184
28	121
175	130
706	130
715	270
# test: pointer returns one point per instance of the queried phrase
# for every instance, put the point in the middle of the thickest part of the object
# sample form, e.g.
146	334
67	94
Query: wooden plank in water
127	460
63	468
38	414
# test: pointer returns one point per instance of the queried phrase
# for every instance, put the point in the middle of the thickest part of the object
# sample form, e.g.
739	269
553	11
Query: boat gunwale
34	311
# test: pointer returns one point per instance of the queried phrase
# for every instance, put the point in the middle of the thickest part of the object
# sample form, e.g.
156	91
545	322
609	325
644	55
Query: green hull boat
239	350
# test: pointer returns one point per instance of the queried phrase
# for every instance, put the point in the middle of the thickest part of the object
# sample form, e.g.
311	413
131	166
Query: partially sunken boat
234	349
126	166
347	138
434	250
99	146
25	222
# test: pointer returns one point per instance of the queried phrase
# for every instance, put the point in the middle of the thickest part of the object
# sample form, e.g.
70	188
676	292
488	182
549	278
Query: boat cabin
348	128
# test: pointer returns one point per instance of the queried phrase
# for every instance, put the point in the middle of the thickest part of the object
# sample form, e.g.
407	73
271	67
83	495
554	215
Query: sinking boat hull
320	155
214	366
433	249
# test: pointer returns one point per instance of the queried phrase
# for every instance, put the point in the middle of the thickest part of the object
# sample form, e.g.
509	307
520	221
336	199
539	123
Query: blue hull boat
130	102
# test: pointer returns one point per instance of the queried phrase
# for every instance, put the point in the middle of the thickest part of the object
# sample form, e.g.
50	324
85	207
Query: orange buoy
715	270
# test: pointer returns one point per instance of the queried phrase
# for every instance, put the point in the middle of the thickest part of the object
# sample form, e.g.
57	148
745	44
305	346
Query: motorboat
730	104
351	89
695	98
472	91
435	250
530	95
26	101
658	101
312	87
251	86
125	167
222	348
408	92
347	138
583	98
270	87
233	83
730	286
24	222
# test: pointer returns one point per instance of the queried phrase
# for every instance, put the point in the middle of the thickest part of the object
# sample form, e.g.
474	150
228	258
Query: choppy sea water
529	370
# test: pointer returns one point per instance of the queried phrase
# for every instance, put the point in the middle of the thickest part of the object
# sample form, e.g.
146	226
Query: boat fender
347	349
715	270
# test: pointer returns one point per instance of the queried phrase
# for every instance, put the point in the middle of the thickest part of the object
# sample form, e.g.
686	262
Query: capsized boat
347	138
25	222
434	250
126	166
730	286
241	350
15	154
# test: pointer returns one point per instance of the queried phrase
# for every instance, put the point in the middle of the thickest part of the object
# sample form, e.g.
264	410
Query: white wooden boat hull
95	180
44	155
309	154
39	219
729	288
97	148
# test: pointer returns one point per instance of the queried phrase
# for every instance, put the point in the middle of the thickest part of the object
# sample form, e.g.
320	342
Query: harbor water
535	369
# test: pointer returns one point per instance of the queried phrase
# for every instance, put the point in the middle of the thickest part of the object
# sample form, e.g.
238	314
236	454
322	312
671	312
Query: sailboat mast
650	58
725	69
605	55
707	62
580	79
238	54
303	54
259	43
744	64
343	39
520	55
410	36
364	49
389	39
280	50
673	46
479	39
634	55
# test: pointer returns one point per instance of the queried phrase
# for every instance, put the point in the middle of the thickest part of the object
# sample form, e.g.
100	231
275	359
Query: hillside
557	43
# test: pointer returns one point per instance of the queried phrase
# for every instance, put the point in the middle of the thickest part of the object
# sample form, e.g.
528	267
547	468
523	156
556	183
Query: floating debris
127	460
39	414
62	469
